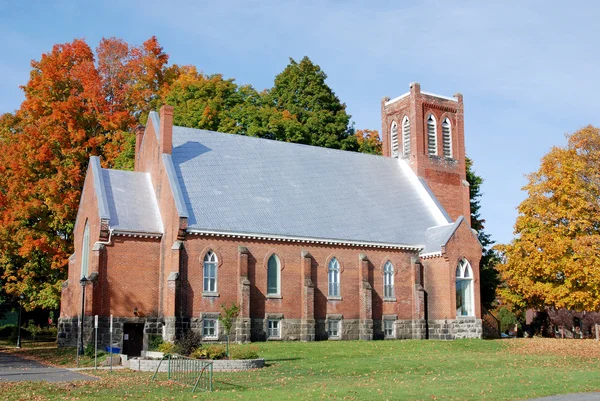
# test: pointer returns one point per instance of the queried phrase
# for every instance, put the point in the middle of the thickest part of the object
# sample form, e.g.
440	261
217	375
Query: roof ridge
267	140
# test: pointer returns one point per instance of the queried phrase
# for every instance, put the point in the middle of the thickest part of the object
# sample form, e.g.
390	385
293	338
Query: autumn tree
74	107
368	141
554	260
489	259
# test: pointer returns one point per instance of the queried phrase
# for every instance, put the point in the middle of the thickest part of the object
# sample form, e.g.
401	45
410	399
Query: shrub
200	353
89	350
507	319
243	351
154	341
189	343
216	351
6	330
167	348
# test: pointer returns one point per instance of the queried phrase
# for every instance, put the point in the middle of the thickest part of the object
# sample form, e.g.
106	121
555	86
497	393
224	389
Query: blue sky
527	70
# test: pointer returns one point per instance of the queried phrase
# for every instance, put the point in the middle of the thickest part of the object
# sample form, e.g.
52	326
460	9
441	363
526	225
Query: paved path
14	369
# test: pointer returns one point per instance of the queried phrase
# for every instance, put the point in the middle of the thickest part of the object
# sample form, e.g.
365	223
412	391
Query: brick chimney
166	129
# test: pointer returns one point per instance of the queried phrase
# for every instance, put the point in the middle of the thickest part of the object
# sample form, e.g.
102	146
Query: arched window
334	278
464	289
85	251
210	272
431	136
447	137
394	137
388	280
405	137
273	276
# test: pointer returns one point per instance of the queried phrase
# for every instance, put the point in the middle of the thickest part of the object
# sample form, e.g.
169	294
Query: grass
353	370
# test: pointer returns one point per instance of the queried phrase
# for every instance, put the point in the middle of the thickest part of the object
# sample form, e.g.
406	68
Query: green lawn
378	370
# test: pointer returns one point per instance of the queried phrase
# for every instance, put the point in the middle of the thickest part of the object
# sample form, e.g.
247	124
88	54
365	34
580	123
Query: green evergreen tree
489	277
300	89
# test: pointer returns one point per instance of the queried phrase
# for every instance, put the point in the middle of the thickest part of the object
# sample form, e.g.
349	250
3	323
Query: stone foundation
68	330
451	329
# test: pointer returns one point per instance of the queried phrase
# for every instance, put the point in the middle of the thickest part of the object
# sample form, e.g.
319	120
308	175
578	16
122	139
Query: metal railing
192	372
491	324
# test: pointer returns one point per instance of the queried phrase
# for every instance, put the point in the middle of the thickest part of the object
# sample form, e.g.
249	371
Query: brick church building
311	243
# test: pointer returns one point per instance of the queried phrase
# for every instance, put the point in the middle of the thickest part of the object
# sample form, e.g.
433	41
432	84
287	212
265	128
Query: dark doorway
133	339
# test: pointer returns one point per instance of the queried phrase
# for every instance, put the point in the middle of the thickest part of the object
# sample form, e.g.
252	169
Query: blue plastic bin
115	350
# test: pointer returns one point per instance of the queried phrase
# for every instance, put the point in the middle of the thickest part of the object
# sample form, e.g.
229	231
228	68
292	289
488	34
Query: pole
96	343
597	332
77	344
83	282
110	344
19	325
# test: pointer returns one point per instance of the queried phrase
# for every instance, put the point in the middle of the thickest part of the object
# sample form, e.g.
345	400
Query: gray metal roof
439	236
240	184
131	201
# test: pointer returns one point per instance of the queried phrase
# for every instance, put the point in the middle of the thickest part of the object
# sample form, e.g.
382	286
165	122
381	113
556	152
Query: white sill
273	338
336	338
466	317
210	338
210	294
334	298
274	296
389	299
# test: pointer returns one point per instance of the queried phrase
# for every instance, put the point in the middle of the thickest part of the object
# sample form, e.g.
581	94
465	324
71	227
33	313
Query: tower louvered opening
406	137
431	136
394	135
447	138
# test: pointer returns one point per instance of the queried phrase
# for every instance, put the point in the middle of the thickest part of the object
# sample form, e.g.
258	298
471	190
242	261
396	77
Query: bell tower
427	132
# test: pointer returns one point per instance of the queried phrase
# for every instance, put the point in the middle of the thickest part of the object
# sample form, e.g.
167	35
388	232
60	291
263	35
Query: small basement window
274	328
333	328
388	328
209	328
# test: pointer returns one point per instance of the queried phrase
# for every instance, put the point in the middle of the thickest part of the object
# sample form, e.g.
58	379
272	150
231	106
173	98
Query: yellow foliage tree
554	260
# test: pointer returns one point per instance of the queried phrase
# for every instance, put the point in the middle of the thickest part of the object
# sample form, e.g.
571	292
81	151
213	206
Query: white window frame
385	329
215	328
405	137
337	323
432	135
334	286
210	259
273	328
394	139
278	267
447	137
464	274
85	251
388	281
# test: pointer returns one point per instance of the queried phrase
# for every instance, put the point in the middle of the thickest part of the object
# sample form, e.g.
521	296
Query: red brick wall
129	278
440	274
88	212
291	278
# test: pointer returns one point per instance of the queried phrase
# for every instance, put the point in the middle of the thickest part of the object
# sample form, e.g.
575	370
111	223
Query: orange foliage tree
75	106
368	141
555	258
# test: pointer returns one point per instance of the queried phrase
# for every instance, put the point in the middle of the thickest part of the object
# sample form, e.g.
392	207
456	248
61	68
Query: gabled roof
126	199
438	236
132	202
243	185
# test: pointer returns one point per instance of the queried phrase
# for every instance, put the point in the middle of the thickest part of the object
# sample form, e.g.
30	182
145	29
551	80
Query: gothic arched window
464	289
405	137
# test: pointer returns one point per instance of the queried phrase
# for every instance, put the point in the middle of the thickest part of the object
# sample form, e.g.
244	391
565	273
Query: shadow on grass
281	359
225	385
